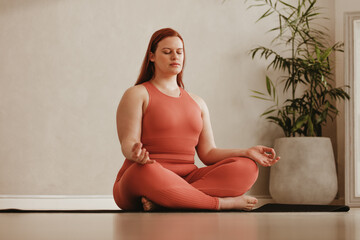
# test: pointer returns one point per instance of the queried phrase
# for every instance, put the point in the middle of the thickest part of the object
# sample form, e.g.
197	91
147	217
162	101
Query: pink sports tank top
170	130
171	126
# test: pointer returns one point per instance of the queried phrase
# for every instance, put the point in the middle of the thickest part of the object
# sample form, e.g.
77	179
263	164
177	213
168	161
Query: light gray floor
187	226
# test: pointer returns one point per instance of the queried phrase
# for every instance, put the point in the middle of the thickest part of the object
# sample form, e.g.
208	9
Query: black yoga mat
270	207
276	207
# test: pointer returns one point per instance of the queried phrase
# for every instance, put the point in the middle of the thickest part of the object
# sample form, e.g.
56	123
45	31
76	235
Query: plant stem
293	76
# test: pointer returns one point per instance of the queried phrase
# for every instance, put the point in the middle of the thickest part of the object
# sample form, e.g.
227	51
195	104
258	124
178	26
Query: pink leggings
199	189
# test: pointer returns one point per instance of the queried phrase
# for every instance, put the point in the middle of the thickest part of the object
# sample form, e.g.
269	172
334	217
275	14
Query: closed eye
168	50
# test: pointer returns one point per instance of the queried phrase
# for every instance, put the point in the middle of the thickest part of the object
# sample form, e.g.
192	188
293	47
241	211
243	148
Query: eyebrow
171	48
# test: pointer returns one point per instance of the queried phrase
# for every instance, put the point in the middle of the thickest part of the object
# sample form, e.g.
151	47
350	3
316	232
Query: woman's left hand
265	156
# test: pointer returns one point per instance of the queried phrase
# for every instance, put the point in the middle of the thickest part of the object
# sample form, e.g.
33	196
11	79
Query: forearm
217	154
126	148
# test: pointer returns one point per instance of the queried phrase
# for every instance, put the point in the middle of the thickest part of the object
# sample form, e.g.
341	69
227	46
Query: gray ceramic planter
306	172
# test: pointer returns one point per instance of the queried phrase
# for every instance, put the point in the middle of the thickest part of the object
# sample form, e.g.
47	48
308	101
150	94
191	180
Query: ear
152	57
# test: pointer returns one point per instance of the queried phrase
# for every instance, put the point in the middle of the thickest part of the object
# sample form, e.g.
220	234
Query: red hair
148	69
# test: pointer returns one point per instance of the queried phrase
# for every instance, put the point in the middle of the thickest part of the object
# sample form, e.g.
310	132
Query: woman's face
169	56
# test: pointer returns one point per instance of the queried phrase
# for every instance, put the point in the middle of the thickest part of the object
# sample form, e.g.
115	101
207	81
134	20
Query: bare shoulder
135	91
199	101
134	94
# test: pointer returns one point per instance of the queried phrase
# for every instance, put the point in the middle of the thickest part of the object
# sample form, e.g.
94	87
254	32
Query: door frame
350	172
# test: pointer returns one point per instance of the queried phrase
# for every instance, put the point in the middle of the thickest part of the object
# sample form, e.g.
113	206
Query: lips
175	64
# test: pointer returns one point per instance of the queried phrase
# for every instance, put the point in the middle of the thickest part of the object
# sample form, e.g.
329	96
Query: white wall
65	64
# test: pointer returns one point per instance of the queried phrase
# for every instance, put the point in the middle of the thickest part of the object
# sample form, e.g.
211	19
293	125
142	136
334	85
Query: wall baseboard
72	202
58	202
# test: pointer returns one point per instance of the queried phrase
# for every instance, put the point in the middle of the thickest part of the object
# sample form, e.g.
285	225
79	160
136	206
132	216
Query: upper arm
206	138
129	113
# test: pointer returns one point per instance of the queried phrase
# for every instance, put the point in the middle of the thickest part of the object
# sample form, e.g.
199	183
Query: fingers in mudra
273	161
144	157
269	162
140	155
270	152
265	156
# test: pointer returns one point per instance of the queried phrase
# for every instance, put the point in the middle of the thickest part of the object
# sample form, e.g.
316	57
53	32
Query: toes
250	207
146	207
252	201
146	204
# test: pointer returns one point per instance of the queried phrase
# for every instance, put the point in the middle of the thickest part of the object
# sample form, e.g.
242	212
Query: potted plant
307	172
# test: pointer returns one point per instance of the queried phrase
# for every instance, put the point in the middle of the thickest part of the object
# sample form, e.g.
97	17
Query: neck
168	82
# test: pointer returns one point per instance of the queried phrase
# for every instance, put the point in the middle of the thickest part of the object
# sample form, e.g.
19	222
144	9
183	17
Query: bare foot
148	205
243	202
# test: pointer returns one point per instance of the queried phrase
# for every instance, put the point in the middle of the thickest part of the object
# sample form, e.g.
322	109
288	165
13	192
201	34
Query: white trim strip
58	202
74	202
56	196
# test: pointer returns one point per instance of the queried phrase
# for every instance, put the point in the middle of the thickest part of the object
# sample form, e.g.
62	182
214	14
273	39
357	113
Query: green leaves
300	122
268	85
288	5
266	14
308	66
271	91
278	61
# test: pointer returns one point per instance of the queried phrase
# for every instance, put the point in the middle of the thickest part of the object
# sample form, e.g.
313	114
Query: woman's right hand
140	155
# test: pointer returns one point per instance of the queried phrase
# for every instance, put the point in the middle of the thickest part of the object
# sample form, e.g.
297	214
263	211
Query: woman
160	125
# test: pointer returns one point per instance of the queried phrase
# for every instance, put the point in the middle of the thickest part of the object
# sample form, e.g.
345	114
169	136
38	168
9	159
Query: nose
175	55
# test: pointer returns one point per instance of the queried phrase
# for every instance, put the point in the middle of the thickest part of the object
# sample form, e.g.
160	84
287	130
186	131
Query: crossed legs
219	186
